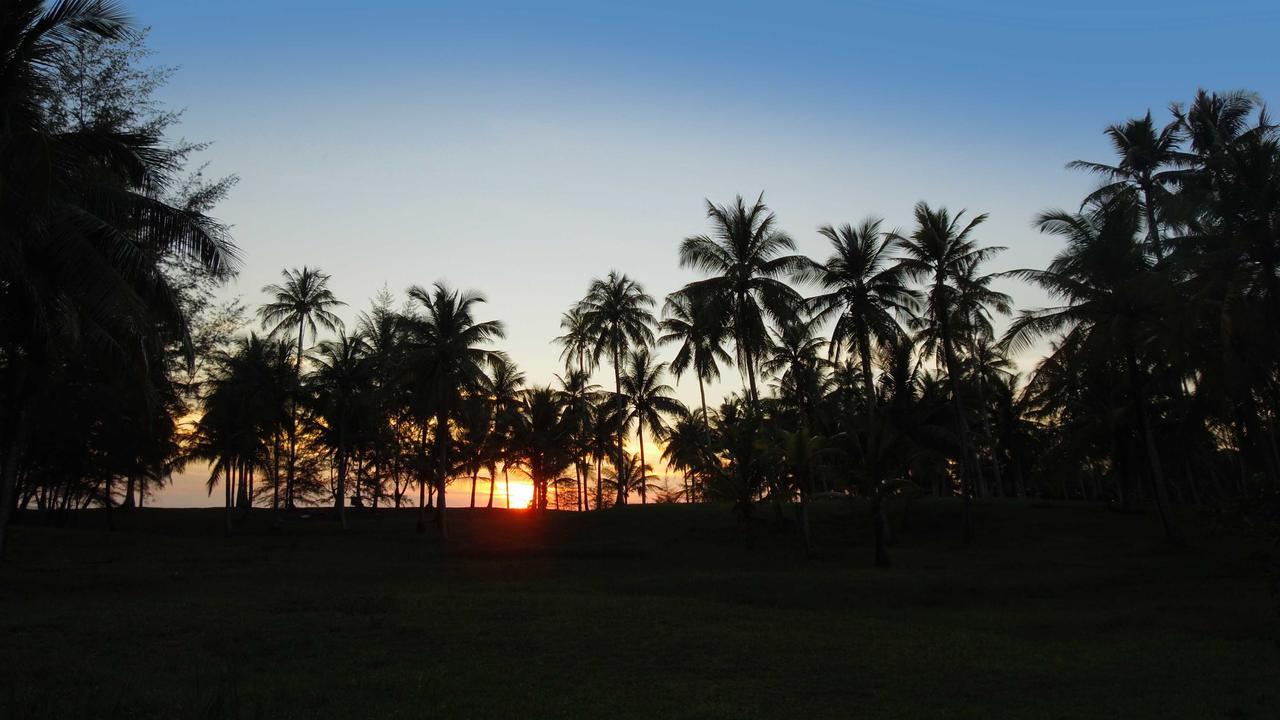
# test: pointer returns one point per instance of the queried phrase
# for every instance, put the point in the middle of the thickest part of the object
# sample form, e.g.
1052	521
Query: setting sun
521	495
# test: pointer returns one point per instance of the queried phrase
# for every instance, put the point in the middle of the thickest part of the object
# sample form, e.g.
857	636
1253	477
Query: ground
1056	611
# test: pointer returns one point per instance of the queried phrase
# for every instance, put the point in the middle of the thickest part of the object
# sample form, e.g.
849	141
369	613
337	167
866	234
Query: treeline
882	370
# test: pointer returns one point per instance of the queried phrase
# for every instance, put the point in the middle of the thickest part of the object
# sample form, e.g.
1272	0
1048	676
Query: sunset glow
521	495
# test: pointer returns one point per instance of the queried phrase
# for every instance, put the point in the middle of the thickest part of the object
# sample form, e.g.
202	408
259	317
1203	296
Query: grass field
1058	611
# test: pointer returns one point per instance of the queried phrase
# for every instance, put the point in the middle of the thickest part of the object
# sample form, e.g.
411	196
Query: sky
522	149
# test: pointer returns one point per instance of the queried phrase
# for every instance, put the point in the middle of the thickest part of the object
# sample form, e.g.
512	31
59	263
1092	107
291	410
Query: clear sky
523	148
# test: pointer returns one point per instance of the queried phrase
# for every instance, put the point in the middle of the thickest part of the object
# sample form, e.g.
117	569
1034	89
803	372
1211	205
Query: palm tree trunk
475	478
617	389
442	474
991	438
493	480
340	501
966	440
640	431
599	482
1171	533
293	421
506	480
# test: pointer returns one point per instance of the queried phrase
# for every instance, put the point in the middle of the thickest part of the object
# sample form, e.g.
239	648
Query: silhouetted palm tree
82	228
617	316
502	388
447	355
340	382
692	321
647	399
865	291
744	256
1148	158
302	301
1112	296
941	252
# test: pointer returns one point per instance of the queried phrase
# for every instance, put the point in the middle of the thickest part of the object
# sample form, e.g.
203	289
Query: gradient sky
523	148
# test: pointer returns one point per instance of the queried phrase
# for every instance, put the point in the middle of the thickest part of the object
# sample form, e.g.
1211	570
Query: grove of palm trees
886	447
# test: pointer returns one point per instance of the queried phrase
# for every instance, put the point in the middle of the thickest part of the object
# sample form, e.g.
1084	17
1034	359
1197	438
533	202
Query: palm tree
647	399
578	340
692	321
339	384
446	344
1148	158
542	436
303	301
689	450
579	396
941	252
865	291
502	388
617	317
743	255
805	458
83	236
1111	295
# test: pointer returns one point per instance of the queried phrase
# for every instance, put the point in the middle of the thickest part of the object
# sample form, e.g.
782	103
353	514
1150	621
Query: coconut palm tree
647	399
542	436
692	322
865	291
338	385
303	301
745	255
1148	161
578	340
502	388
82	227
617	316
580	396
447	354
941	252
1111	298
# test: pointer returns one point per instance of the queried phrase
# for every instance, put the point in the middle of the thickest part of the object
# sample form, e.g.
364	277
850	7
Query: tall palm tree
692	322
82	227
865	291
647	400
338	385
618	317
941	252
303	301
1148	158
448	355
744	254
1112	296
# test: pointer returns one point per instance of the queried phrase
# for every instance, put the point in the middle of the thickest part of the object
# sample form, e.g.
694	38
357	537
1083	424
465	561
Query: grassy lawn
1058	611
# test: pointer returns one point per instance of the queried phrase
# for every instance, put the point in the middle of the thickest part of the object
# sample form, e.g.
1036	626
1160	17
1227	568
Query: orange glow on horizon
521	495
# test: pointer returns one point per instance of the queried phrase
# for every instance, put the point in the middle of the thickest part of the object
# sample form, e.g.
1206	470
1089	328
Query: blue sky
523	148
